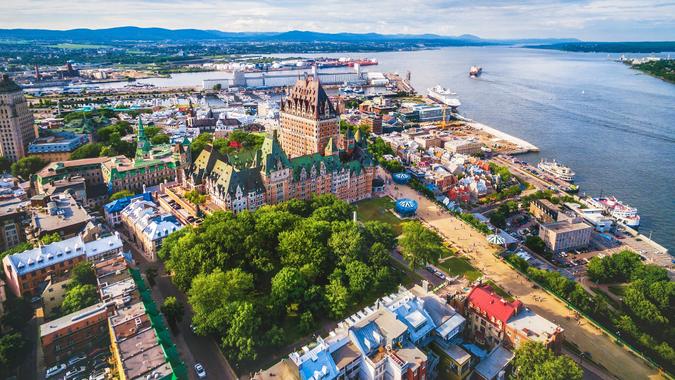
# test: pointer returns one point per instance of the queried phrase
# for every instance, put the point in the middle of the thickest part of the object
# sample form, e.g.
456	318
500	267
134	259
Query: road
193	348
604	351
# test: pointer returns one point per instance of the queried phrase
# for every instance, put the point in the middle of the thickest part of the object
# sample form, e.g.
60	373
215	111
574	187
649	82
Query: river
613	125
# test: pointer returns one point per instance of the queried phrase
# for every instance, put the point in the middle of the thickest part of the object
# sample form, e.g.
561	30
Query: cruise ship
620	211
443	95
557	170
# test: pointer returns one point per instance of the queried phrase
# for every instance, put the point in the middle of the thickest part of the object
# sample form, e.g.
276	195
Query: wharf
523	146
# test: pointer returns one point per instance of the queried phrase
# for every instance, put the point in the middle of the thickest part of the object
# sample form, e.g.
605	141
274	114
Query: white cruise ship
557	170
443	95
620	211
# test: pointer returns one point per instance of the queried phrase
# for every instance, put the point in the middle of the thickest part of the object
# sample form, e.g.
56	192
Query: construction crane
444	120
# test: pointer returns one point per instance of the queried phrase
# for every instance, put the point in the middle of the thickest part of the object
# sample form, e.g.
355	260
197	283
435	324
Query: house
148	225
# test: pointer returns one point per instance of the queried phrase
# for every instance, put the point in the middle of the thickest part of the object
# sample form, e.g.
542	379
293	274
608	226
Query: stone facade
16	121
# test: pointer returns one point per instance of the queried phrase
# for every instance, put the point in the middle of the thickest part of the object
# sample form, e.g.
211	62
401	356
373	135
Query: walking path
604	351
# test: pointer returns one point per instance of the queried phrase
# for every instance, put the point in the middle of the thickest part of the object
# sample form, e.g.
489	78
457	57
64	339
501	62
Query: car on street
55	370
201	372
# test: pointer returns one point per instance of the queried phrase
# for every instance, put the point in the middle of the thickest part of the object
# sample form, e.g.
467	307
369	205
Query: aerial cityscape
300	190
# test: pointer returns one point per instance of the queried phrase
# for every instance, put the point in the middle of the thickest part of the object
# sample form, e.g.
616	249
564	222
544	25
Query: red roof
483	298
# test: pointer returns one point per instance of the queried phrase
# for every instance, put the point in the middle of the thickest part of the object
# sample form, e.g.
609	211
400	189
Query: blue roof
368	337
119	204
319	366
418	321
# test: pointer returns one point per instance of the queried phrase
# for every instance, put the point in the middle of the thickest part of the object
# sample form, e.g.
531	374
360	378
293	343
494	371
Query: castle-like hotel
307	156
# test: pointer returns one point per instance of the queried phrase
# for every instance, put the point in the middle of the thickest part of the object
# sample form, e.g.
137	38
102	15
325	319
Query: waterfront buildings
493	321
56	147
26	272
16	121
565	235
148	225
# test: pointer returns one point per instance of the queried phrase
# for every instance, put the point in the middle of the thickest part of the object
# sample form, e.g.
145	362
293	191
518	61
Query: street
193	348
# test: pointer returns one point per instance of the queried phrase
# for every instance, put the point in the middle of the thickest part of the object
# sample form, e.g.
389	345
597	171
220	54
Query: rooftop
345	355
61	212
534	326
130	327
67	320
152	361
147	217
122	292
496	361
60	251
54	167
7	85
126	313
484	299
456	352
137	344
566	226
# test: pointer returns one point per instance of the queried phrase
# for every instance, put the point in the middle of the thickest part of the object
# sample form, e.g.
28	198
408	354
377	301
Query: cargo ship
557	170
475	71
620	211
443	95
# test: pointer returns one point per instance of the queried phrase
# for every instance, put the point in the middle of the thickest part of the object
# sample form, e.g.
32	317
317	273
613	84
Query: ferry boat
443	95
620	211
557	170
475	71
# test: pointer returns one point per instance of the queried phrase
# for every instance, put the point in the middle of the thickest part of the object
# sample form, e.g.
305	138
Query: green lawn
500	292
619	290
379	209
78	46
456	266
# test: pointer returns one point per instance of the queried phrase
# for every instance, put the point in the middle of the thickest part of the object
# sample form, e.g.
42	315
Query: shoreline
524	146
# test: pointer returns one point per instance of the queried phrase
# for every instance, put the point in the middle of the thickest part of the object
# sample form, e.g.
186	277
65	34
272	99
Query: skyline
589	20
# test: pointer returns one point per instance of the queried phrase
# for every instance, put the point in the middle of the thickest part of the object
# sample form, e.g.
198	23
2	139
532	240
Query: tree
13	347
346	241
50	238
121	194
288	286
198	144
360	278
217	87
172	310
536	244
195	198
306	322
379	232
18	311
83	273
5	165
27	166
87	151
16	249
239	341
275	336
78	297
535	361
337	296
160	138
419	245
378	255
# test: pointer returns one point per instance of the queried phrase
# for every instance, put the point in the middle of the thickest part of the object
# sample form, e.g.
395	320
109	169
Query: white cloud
586	19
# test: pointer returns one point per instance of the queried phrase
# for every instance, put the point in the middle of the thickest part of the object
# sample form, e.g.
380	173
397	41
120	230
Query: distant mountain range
131	33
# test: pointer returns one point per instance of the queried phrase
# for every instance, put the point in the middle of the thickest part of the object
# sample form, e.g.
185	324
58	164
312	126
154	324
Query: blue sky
606	20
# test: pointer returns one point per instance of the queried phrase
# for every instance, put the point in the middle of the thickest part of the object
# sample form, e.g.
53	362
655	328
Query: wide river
612	125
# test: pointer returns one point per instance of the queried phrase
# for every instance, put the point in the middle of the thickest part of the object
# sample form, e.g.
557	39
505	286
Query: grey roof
67	320
497	360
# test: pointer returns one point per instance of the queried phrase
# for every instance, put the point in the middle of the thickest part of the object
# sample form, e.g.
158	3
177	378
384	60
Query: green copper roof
8	85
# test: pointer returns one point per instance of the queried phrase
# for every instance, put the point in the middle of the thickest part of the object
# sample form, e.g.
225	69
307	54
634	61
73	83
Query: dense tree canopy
83	273
533	361
250	276
27	166
78	297
13	347
420	245
87	151
121	194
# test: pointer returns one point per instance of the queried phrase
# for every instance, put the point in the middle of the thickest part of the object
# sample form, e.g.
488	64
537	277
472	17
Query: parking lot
95	365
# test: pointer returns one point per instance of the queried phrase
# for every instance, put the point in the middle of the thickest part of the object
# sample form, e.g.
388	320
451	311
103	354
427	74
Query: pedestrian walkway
618	360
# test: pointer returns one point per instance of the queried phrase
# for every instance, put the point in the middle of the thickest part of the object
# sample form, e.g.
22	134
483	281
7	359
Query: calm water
614	126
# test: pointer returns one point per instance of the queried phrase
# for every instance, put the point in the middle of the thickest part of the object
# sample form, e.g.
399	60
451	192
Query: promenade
603	350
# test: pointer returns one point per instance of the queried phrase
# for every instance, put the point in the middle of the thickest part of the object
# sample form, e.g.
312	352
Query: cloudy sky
606	20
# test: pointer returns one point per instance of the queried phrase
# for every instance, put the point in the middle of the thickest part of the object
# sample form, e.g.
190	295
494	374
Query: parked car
76	359
72	374
201	372
55	370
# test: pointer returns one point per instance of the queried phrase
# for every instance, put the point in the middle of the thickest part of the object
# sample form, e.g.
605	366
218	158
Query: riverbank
523	146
